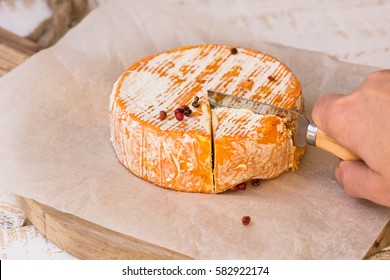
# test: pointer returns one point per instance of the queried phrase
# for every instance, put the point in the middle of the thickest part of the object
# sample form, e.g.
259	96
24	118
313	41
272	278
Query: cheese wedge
249	146
211	150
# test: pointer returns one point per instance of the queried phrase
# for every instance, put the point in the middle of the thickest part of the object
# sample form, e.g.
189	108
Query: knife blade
302	130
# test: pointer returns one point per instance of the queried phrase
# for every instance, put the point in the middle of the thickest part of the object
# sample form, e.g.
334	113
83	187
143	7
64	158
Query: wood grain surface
326	143
14	50
27	243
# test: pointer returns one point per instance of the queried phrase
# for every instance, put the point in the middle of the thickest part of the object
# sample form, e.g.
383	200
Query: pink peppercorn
162	115
179	116
271	78
246	220
241	186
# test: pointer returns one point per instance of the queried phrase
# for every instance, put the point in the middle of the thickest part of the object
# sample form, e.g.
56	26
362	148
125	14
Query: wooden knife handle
326	143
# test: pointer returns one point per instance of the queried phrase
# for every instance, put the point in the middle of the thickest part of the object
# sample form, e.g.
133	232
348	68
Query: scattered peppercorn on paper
55	146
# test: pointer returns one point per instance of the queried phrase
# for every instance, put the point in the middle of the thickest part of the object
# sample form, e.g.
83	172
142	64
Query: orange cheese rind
211	150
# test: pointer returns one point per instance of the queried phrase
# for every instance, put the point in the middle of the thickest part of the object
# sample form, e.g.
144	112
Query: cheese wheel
211	150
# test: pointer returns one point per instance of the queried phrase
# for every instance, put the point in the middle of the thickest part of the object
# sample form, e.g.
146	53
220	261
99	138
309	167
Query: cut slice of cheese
210	150
249	146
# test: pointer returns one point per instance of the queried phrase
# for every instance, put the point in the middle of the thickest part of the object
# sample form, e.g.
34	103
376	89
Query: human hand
360	121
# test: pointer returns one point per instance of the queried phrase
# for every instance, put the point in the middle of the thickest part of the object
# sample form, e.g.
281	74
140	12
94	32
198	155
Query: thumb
361	181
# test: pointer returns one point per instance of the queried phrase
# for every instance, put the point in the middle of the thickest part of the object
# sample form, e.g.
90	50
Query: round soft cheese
211	150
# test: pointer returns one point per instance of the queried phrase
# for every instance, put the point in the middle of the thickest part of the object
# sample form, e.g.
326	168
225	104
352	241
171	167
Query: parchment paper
55	147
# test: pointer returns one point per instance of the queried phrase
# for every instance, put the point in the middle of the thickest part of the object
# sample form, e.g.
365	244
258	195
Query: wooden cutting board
86	240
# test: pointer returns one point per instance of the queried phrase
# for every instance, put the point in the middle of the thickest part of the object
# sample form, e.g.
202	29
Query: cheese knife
303	131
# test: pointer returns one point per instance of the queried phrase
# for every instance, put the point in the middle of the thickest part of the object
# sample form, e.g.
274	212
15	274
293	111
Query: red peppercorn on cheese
204	150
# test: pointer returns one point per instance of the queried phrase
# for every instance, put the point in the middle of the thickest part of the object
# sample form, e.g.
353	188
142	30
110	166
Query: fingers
359	122
377	80
360	181
330	115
